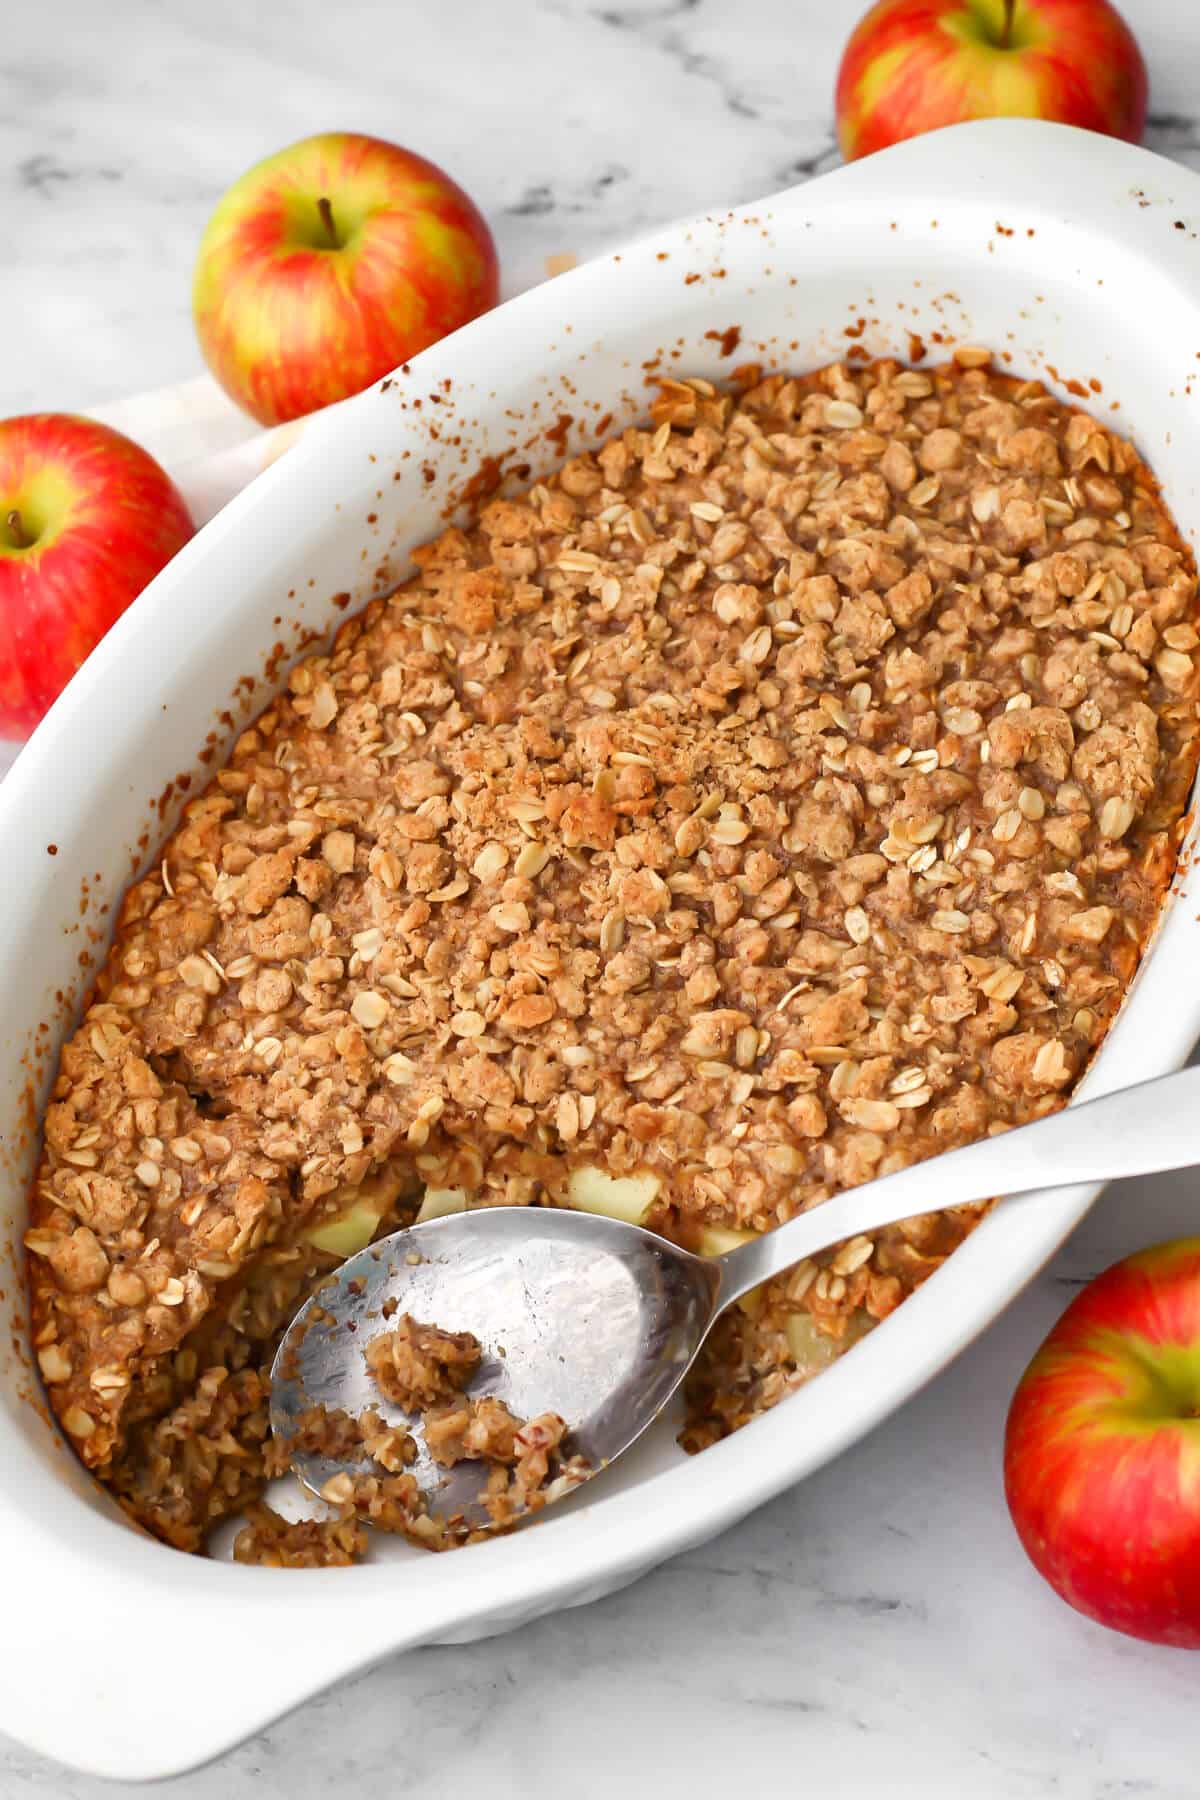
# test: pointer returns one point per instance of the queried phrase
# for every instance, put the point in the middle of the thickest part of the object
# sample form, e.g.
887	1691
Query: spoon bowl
599	1320
576	1313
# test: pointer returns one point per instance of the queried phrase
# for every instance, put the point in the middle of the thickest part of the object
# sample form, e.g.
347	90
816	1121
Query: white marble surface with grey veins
877	1630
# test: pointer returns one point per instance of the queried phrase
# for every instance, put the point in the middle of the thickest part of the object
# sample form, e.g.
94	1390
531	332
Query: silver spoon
599	1320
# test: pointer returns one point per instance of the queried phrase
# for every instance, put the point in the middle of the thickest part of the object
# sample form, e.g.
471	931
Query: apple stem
326	212
1010	7
17	527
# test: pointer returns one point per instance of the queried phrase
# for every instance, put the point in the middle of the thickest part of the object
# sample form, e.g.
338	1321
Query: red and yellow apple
912	65
330	263
1102	1450
87	518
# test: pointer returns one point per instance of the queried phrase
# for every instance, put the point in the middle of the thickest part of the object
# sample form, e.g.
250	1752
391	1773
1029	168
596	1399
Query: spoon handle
1135	1131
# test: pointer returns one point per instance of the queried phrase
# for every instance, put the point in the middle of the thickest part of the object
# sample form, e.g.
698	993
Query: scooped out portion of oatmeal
425	1371
777	795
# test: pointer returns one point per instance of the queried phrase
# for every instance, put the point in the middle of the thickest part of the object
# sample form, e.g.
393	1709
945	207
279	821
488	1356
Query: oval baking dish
902	251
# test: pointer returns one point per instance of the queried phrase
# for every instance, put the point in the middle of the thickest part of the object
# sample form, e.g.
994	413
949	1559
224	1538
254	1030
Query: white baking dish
1067	251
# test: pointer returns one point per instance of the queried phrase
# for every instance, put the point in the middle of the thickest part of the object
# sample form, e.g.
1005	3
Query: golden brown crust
415	1365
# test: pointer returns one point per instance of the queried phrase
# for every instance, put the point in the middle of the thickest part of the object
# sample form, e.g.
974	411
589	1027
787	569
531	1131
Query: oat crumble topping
781	794
416	1365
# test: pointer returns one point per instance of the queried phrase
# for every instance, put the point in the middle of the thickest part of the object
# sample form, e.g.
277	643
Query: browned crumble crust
416	1365
423	1369
390	1446
531	1460
392	1503
465	1428
780	795
274	1542
331	1431
327	1431
529	1469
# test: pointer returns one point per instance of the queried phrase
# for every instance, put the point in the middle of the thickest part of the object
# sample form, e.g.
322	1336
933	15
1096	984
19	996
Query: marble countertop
877	1629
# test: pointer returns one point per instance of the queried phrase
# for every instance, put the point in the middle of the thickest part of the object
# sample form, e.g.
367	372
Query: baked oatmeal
416	1365
423	1370
776	796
